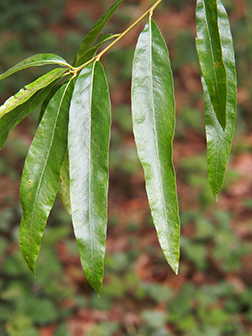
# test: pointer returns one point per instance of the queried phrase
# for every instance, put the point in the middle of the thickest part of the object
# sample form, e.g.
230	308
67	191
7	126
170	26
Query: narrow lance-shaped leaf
10	120
29	90
64	184
88	145
40	179
219	141
36	60
92	51
210	56
153	113
90	38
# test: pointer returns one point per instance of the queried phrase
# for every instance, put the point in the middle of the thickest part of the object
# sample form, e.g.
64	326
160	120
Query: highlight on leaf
14	117
41	173
88	146
153	114
29	90
69	153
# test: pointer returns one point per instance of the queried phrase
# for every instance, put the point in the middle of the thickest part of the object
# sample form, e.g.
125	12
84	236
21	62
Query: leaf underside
210	55
88	145
153	113
14	117
29	90
40	179
219	141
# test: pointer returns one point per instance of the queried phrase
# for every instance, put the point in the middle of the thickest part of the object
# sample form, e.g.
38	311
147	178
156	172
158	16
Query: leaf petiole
148	12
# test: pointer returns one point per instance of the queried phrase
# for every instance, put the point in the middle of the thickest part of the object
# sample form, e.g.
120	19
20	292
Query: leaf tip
31	266
175	268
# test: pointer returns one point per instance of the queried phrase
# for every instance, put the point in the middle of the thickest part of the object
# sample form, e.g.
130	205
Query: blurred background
212	295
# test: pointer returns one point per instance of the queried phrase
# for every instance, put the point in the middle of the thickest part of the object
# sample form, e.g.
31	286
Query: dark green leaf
218	141
92	51
40	179
90	38
88	145
153	113
211	57
46	101
29	90
10	120
35	60
64	185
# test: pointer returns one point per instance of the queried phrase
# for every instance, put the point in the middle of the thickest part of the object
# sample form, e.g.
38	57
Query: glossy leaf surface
90	38
10	120
88	145
153	113
35	60
29	90
40	179
218	141
210	56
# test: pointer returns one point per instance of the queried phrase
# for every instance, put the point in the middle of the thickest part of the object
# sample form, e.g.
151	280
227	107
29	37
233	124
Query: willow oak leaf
36	60
209	50
153	113
88	146
41	173
219	141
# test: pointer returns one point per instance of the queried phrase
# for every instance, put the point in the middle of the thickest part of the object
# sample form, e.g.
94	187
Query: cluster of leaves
69	153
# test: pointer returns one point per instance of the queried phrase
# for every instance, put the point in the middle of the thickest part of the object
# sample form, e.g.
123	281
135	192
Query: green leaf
64	185
210	55
40	179
90	38
29	90
47	99
153	112
88	145
92	51
10	120
218	141
36	60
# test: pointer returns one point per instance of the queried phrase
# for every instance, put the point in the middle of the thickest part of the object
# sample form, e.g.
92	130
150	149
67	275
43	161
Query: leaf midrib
90	172
211	50
154	122
44	167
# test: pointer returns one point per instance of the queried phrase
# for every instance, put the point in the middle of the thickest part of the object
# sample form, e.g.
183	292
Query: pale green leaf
10	120
29	90
153	113
219	141
36	60
40	179
210	56
88	145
